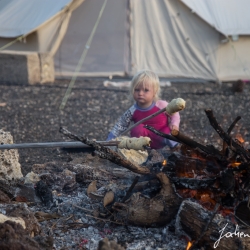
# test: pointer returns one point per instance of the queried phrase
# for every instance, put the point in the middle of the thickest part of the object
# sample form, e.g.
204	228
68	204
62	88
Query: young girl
145	89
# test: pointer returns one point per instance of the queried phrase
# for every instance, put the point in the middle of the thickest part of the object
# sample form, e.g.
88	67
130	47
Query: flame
235	164
189	244
164	163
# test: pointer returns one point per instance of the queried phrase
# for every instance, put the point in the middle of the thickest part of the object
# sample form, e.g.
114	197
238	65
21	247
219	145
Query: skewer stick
143	120
67	144
174	106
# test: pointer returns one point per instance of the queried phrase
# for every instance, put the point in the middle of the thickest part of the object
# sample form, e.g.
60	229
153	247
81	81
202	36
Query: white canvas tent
39	24
204	39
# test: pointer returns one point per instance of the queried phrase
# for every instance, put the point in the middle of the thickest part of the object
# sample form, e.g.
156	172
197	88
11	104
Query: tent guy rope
79	65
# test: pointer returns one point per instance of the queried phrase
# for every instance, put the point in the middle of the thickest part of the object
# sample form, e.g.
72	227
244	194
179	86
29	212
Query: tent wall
229	17
44	38
234	60
108	53
170	39
167	38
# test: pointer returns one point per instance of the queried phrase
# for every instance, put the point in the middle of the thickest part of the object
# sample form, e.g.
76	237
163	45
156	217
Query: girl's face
144	95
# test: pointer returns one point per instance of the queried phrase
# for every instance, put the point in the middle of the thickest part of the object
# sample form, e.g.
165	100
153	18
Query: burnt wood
225	137
128	193
204	228
157	132
181	138
229	132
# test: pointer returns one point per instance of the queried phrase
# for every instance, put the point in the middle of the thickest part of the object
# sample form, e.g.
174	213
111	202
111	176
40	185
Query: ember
189	244
164	163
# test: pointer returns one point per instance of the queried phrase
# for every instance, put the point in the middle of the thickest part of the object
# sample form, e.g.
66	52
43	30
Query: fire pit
205	191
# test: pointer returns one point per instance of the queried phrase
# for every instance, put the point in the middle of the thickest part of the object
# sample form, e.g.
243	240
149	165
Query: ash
77	229
88	232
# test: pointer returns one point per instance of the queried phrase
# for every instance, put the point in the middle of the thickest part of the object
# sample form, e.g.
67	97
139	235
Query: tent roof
23	16
230	17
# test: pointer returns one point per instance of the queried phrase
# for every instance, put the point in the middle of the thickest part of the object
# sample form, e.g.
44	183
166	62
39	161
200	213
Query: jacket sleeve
175	120
122	124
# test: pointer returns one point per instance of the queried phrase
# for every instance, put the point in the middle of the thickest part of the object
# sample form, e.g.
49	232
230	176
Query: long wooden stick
107	153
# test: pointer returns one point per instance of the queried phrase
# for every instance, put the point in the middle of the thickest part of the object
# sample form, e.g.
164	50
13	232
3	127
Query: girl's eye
146	90
136	90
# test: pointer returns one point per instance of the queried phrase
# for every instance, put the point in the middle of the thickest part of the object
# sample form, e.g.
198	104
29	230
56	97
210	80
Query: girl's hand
173	127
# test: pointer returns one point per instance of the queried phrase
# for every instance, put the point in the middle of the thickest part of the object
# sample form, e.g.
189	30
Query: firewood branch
157	132
107	153
179	137
233	125
225	137
229	132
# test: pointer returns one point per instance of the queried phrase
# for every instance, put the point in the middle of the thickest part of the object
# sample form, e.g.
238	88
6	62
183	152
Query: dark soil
31	113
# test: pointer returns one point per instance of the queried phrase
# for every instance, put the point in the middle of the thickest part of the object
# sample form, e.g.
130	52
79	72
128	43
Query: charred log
157	211
242	213
192	183
195	221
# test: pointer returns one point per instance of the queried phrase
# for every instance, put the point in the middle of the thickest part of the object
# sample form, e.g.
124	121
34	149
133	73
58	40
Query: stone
31	178
23	211
13	236
10	168
26	193
19	220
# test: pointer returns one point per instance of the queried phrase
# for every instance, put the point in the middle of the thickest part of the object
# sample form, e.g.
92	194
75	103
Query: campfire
205	189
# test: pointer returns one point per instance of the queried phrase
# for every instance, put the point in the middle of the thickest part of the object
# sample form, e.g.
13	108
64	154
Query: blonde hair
149	77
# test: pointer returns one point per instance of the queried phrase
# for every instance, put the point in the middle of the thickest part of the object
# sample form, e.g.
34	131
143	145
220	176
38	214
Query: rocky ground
32	114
